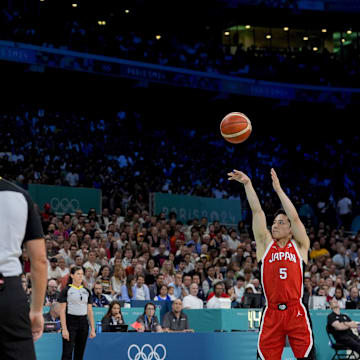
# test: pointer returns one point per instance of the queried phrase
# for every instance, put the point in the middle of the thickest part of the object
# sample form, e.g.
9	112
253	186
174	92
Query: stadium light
227	33
305	38
342	40
158	37
349	32
127	11
100	22
315	48
247	26
268	36
74	5
323	30
286	28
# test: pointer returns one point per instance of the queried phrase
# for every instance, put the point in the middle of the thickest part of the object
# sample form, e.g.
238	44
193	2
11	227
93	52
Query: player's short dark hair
281	212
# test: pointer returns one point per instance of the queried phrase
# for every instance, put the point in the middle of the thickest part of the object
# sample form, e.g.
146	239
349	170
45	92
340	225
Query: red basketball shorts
277	323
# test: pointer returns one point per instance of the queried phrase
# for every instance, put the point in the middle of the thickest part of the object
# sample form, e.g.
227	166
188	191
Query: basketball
235	127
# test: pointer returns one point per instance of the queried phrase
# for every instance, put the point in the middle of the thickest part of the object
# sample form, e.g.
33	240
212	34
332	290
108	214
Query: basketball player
282	255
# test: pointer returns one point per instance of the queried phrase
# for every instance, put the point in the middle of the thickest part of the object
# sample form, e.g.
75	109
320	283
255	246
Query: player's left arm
297	227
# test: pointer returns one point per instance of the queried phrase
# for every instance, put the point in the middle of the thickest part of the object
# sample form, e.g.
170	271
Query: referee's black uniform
19	223
77	300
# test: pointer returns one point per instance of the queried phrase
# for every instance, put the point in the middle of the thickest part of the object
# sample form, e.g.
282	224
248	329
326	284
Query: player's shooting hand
238	176
275	180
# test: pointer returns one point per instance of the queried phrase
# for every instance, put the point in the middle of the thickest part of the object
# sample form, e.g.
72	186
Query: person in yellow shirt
317	251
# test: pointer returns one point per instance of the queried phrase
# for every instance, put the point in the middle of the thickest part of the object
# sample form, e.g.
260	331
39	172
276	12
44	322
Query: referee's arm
35	246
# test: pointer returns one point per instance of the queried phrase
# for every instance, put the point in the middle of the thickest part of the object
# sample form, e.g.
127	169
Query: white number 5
283	273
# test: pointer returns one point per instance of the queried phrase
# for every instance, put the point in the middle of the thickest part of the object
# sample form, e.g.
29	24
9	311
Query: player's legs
16	340
271	336
299	331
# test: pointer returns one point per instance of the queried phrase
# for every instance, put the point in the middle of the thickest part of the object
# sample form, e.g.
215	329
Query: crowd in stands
206	54
129	254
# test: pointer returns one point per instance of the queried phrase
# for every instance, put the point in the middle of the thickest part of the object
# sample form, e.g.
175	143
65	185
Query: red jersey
282	273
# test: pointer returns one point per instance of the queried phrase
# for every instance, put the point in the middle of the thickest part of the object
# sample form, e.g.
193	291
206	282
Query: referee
20	225
75	313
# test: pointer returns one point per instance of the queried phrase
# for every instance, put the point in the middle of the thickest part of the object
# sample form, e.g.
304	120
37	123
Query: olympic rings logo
64	205
148	355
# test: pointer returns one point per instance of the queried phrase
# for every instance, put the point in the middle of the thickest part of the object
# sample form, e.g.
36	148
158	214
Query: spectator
340	297
344	209
104	279
177	284
155	288
92	263
52	294
175	320
118	279
340	326
98	299
64	270
140	290
89	279
148	320
186	285
163	294
219	299
317	251
353	300
127	293
53	270
169	272
192	301
112	317
170	289
239	288
341	259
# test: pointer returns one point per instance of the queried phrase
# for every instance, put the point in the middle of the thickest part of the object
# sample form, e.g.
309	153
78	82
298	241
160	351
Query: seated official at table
175	320
148	320
112	317
52	316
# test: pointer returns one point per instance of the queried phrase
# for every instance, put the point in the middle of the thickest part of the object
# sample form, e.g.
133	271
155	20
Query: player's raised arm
261	233
297	227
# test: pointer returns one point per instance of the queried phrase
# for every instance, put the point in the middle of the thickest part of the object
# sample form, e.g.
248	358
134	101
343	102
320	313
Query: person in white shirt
218	300
53	269
233	241
140	290
191	301
239	288
64	270
92	264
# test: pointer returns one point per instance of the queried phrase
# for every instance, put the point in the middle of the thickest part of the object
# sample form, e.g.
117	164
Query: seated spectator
339	296
341	259
192	301
27	289
99	300
148	320
317	251
340	326
196	280
218	299
163	294
92	263
171	292
155	288
112	317
52	294
177	284
353	300
169	272
239	288
231	292
118	279
64	270
175	320
127	289
52	316
53	270
89	280
186	285
140	290
104	279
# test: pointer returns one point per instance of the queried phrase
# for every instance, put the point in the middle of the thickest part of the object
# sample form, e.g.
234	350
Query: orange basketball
235	127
